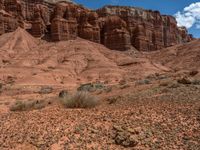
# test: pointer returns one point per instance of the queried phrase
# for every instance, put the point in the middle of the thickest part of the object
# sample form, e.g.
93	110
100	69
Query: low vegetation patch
186	80
196	82
79	100
27	105
156	76
90	87
108	89
46	90
143	82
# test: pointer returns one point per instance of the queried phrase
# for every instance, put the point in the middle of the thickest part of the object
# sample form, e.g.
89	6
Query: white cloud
190	16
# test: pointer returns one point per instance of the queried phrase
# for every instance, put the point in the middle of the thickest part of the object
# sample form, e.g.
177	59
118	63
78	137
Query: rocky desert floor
161	115
145	103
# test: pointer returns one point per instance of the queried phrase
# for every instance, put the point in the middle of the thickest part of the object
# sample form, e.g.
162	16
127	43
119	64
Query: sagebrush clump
91	87
27	105
79	100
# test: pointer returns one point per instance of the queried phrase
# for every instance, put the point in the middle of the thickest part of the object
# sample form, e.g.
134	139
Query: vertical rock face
116	27
64	25
41	19
8	22
115	33
70	21
88	26
148	30
1	4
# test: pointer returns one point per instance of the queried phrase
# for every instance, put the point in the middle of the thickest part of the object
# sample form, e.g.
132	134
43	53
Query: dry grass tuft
79	100
27	105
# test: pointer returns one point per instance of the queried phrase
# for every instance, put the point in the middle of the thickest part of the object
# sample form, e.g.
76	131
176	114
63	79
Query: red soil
144	103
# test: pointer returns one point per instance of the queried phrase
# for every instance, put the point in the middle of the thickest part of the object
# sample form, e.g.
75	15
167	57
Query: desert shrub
142	82
79	100
108	89
156	76
99	86
90	87
27	105
46	90
196	82
39	105
86	87
18	106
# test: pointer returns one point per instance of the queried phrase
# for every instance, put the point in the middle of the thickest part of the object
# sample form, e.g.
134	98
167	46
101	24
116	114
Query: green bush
79	100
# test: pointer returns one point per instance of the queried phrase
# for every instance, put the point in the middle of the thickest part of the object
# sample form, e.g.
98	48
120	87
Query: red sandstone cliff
114	26
148	30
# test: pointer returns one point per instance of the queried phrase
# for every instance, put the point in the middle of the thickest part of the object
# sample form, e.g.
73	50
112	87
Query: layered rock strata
148	30
118	28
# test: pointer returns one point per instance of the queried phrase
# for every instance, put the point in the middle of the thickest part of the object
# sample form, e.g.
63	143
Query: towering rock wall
116	27
70	21
8	22
148	30
115	34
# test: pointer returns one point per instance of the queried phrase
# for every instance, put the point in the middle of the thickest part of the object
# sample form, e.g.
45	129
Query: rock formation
88	26
8	22
64	24
148	30
115	33
116	27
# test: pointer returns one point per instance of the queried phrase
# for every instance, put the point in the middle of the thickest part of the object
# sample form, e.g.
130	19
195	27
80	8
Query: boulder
63	94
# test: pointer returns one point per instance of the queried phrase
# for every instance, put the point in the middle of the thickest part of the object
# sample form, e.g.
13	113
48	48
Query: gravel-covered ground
152	117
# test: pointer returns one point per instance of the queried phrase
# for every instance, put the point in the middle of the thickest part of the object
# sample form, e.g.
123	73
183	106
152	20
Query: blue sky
170	7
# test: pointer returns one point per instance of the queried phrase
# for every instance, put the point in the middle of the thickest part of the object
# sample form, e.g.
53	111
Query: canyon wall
118	28
148	30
